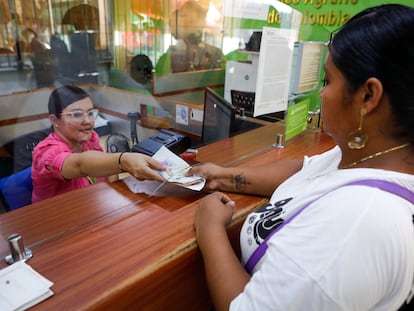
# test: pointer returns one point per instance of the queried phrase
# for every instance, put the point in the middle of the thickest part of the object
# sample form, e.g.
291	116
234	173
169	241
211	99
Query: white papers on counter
21	287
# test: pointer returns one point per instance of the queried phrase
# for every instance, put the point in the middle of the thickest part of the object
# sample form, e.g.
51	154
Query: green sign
332	14
297	118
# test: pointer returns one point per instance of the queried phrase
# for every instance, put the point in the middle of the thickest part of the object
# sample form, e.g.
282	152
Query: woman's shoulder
312	183
52	140
371	175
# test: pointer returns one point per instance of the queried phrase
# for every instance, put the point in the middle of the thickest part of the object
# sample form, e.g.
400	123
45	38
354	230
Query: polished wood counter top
256	147
106	248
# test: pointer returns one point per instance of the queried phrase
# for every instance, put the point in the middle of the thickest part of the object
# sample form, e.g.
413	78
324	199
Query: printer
175	142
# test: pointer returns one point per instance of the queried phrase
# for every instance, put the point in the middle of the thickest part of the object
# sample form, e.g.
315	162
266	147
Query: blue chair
17	188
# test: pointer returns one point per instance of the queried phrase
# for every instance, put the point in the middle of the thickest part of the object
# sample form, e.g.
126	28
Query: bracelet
119	162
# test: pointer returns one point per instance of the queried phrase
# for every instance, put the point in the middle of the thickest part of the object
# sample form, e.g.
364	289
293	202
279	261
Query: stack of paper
21	287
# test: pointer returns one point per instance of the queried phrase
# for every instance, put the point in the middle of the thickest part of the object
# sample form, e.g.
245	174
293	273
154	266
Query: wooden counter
106	248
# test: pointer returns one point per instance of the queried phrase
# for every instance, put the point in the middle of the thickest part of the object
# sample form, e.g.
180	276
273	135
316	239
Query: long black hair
379	42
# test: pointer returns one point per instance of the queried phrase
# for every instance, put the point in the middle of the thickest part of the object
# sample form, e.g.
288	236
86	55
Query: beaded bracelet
119	162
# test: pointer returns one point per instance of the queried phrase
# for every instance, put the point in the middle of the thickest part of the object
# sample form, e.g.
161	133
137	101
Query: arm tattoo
240	182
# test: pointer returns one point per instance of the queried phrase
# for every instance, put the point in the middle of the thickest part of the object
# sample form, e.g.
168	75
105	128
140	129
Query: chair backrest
21	148
17	189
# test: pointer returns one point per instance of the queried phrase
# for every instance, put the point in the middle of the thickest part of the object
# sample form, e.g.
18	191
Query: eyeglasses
79	114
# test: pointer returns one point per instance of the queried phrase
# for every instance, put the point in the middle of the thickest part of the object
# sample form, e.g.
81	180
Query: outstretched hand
142	167
210	172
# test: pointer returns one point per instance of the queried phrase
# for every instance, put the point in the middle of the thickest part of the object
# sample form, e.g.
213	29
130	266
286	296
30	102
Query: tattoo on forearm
240	182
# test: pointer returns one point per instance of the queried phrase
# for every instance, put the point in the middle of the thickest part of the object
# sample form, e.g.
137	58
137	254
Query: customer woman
351	247
71	156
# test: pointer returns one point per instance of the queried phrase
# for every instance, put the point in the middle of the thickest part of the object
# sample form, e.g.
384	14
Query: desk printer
177	143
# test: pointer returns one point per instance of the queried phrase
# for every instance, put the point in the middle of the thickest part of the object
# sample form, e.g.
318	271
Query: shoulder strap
380	184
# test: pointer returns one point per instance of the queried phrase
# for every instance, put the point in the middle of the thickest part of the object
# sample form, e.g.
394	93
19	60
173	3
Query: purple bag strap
380	184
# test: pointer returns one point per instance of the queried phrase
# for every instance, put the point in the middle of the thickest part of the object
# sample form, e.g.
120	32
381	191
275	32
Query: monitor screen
218	117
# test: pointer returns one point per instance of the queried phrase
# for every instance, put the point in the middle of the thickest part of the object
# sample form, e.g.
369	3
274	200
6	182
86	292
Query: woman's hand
211	172
141	166
215	211
258	180
225	275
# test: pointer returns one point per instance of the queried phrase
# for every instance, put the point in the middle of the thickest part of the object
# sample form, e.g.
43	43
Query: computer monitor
220	119
217	117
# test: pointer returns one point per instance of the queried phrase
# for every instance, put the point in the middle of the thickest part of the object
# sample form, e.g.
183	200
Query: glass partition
44	43
143	68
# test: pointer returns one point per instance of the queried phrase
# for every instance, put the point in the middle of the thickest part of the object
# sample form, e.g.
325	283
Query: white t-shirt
352	249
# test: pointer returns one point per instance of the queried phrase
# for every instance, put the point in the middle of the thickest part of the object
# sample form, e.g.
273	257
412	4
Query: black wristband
119	162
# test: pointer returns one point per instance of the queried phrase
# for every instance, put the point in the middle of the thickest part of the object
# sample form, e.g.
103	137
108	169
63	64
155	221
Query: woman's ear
372	93
54	120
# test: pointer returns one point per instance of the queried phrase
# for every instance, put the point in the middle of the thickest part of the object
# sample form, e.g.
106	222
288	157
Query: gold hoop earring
358	139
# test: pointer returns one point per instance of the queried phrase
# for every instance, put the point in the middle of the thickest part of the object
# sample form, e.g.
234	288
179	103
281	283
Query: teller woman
71	157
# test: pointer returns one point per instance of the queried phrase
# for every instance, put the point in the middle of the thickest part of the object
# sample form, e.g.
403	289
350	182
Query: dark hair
63	96
379	42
